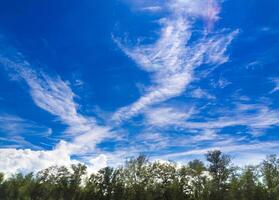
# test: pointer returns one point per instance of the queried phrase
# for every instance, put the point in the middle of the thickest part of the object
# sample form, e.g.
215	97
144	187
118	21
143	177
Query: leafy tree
199	180
235	192
165	179
270	172
78	171
219	169
250	184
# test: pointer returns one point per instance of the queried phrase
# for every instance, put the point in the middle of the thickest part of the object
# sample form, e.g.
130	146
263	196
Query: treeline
140	179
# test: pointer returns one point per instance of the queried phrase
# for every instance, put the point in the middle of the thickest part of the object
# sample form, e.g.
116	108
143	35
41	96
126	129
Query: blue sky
99	81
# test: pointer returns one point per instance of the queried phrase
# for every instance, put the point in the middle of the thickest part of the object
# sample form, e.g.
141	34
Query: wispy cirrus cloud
15	129
12	124
152	8
256	117
55	96
171	61
167	116
51	94
275	81
254	149
221	83
200	93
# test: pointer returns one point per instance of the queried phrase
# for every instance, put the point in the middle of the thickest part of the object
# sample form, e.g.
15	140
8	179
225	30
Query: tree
55	182
219	169
136	177
270	172
250	185
78	171
199	180
235	185
164	178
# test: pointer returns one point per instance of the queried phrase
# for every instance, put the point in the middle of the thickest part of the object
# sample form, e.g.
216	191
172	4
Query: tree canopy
140	179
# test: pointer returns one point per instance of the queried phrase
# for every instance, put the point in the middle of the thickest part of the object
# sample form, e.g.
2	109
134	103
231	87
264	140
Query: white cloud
275	81
200	93
14	131
55	96
26	160
242	154
152	8
97	163
256	117
17	141
166	116
173	58
14	125
252	148
51	94
208	10
221	83
14	160
206	135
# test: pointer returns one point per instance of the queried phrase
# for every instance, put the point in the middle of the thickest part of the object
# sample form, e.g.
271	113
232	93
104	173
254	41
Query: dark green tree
270	173
219	169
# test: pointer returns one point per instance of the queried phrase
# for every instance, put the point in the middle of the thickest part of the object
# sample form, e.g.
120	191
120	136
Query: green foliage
219	169
140	179
270	171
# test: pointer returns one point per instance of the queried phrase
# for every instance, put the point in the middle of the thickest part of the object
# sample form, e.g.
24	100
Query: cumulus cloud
97	163
171	61
26	160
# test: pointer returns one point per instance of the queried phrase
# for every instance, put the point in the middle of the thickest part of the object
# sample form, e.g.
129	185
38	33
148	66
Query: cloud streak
253	148
275	81
11	124
171	61
256	117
